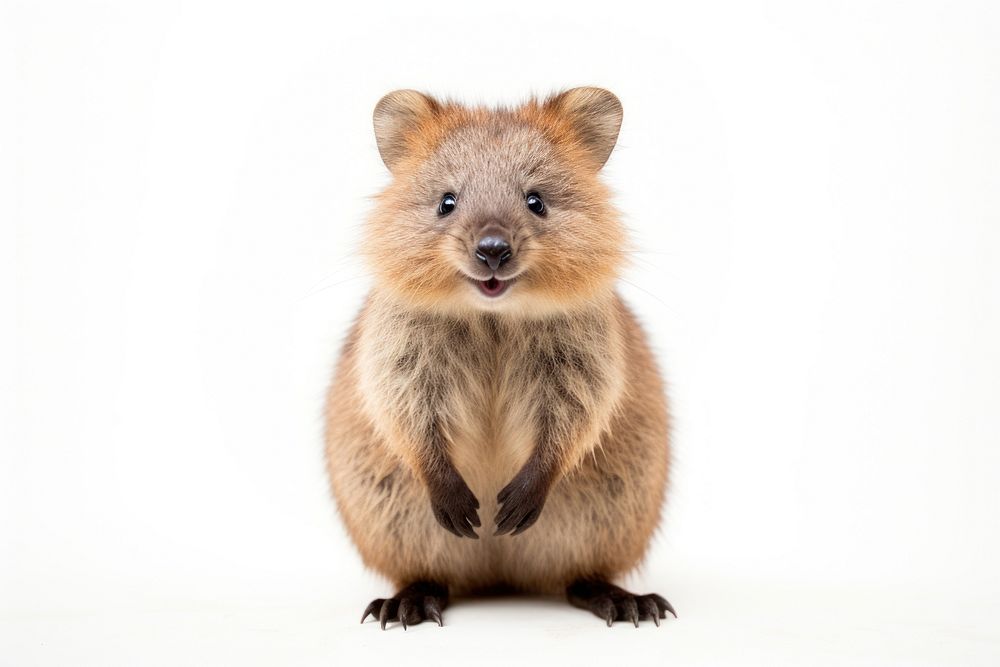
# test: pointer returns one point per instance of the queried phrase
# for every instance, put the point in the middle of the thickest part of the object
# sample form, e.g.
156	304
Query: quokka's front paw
455	507
521	502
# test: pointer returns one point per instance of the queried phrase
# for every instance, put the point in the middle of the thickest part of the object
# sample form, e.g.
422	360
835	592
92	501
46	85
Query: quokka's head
496	209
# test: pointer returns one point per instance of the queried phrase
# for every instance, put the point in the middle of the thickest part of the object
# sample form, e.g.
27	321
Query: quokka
496	419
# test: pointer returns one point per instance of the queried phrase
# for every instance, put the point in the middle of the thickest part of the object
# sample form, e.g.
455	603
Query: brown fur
554	376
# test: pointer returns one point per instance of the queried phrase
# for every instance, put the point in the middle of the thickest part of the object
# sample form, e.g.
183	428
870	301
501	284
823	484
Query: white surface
721	623
813	195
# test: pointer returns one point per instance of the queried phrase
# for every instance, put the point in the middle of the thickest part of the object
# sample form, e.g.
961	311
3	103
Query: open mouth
493	287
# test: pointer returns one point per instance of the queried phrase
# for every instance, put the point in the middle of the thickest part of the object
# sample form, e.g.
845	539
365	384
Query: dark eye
447	204
535	203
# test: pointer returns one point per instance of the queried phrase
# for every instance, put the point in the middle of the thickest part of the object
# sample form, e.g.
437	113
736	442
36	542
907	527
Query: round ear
396	115
595	114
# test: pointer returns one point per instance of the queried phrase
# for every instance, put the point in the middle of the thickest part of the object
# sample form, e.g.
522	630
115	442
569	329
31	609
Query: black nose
493	251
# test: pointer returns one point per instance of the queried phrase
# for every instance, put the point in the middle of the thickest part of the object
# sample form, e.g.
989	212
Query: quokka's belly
596	520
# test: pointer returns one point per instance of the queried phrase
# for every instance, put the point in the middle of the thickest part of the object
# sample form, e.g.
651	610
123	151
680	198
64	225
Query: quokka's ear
595	114
396	116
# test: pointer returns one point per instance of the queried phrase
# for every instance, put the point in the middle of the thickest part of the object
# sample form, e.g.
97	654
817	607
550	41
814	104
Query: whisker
314	291
639	287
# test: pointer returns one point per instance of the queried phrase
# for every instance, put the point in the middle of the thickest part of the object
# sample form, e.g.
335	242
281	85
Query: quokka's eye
447	205
535	203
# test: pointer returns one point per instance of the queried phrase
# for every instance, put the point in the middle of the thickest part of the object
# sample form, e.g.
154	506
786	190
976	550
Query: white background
813	195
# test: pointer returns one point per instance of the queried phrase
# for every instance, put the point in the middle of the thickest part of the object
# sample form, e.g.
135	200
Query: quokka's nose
493	251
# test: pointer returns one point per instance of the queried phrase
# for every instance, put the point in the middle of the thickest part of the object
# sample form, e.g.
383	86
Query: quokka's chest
485	370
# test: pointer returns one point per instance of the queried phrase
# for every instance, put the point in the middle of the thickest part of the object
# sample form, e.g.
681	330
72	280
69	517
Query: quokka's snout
493	249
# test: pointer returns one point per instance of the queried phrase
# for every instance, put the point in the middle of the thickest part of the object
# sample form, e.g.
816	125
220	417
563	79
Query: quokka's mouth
493	287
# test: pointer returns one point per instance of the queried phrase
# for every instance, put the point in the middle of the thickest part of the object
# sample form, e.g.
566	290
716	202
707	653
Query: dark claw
405	608
373	609
432	609
664	605
527	522
517	519
650	609
388	611
501	522
631	610
466	528
606	610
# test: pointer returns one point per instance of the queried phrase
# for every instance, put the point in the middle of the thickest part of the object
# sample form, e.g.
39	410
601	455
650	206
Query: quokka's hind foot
612	603
418	602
